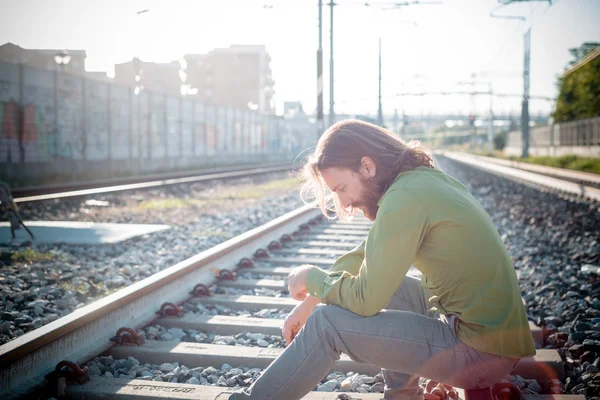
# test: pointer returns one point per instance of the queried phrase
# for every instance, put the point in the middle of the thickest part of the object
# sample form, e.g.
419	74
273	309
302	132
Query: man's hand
298	317
297	282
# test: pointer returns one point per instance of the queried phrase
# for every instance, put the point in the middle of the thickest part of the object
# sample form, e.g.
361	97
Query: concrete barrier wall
581	138
56	123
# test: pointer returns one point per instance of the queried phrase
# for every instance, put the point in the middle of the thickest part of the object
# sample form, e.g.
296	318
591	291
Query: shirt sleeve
391	247
351	261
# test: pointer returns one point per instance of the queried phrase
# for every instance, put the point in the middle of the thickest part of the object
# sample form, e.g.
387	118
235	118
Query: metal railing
584	132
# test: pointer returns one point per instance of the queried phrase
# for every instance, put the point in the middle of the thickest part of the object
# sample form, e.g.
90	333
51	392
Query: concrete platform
52	232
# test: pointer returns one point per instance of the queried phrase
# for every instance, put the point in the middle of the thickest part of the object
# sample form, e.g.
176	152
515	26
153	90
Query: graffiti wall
48	115
10	150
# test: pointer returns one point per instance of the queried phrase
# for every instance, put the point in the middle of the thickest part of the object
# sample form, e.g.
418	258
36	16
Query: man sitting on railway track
462	324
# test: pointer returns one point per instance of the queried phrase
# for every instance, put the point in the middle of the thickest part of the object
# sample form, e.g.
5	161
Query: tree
579	52
579	90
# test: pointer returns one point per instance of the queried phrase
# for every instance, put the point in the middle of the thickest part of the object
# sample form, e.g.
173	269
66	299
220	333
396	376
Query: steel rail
542	169
85	333
528	177
27	191
152	184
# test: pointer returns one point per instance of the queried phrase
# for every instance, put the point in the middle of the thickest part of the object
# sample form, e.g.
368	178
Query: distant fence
580	137
52	121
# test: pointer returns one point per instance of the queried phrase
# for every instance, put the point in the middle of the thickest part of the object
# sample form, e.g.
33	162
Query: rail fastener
169	309
127	337
245	263
67	373
305	227
227	275
286	238
261	253
275	245
200	290
315	221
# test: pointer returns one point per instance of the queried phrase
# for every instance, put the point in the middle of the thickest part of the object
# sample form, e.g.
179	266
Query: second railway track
79	189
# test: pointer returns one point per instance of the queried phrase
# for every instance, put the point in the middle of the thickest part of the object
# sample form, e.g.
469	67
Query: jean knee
322	311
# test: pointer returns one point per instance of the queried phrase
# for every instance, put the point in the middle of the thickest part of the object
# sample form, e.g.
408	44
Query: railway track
572	183
235	281
78	189
585	178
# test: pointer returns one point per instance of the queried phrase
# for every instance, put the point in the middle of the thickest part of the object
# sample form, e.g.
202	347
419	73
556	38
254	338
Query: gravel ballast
42	283
551	241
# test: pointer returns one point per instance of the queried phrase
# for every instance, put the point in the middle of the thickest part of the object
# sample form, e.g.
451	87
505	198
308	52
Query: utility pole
527	46
491	123
331	102
525	105
320	73
396	6
380	109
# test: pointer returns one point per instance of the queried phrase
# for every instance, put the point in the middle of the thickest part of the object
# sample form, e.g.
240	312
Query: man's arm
351	261
391	247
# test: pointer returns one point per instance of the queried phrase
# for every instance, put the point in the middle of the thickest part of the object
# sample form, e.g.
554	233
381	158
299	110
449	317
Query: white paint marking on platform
52	232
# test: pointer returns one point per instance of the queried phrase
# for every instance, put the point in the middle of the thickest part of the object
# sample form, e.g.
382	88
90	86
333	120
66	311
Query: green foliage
579	52
579	95
573	162
499	141
30	256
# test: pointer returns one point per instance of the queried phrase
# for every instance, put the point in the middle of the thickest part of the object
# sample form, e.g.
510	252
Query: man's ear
368	169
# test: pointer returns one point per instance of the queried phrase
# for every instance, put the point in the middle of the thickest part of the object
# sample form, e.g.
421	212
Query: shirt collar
400	175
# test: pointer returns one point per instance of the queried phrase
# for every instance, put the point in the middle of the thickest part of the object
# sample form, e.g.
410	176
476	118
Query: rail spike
128	337
245	263
261	253
227	275
200	290
170	310
274	245
315	221
304	227
67	372
286	238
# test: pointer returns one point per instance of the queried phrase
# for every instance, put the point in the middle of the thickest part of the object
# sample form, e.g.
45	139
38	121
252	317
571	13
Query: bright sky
452	40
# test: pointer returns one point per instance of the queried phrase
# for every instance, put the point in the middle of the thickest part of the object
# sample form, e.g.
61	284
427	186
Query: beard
370	195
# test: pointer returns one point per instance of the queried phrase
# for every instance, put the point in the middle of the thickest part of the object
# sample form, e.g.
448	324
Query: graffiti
47	116
10	140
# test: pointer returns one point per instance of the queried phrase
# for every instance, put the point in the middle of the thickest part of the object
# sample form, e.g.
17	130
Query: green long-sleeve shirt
430	220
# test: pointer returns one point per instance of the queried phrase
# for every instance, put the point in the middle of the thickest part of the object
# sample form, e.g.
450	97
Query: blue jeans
404	339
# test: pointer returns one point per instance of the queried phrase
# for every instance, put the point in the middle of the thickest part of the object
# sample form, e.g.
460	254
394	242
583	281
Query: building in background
293	108
44	59
98	75
238	76
155	77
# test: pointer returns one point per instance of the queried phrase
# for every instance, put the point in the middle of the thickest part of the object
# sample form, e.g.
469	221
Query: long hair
344	145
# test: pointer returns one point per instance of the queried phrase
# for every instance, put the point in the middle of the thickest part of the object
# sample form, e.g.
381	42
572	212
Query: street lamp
62	58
